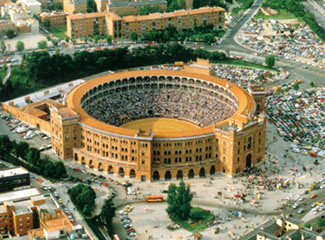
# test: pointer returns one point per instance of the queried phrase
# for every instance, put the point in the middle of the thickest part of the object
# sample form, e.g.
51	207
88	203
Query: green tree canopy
91	6
21	149
42	44
133	36
47	23
321	222
5	144
179	202
146	10
84	198
33	156
20	46
10	33
107	213
270	60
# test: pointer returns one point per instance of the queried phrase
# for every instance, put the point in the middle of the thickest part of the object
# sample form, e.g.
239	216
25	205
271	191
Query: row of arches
153	79
149	79
180	174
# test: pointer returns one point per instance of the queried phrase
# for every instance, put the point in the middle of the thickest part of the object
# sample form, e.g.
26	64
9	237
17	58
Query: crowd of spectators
118	108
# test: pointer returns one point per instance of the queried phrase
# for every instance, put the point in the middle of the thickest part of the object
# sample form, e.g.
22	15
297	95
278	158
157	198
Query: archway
121	172
212	170
91	163
202	172
132	173
100	166
155	176
76	156
179	174
248	160
168	175
83	160
191	173
110	169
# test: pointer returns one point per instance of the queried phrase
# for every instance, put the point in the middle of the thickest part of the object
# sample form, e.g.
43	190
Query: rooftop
178	13
13	172
134	3
18	195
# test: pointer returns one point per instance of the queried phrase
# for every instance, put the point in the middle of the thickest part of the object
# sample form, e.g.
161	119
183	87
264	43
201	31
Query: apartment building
120	27
6	24
56	19
31	5
75	6
81	25
132	7
27	212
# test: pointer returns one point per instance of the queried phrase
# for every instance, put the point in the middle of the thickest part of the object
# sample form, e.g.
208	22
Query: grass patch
282	14
199	220
242	63
59	32
314	223
235	11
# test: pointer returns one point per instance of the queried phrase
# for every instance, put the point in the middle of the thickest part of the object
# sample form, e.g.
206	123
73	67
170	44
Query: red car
313	196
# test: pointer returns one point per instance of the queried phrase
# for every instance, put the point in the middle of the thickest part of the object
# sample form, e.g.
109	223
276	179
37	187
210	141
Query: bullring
229	132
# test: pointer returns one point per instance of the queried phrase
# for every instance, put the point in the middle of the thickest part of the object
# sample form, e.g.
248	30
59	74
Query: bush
198	214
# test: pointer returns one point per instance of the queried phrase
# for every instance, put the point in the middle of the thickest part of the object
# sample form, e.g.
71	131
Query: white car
301	199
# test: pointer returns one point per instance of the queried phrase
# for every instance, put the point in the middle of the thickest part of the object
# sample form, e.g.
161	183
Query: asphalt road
306	204
316	8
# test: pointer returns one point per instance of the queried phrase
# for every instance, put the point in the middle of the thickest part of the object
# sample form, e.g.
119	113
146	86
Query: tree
133	36
5	144
33	156
321	222
20	46
109	39
270	60
10	33
21	149
84	198
91	6
60	171
312	84
3	46
179	202
296	86
146	10
54	42
107	213
42	44
47	23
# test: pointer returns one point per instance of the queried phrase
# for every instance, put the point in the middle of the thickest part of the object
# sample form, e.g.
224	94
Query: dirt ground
29	39
160	124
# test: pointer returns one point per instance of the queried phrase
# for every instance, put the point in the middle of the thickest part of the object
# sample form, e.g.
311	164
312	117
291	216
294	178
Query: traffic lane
306	204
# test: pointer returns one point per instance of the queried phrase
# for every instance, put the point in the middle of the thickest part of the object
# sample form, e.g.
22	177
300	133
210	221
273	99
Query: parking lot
298	116
288	39
245	76
22	132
